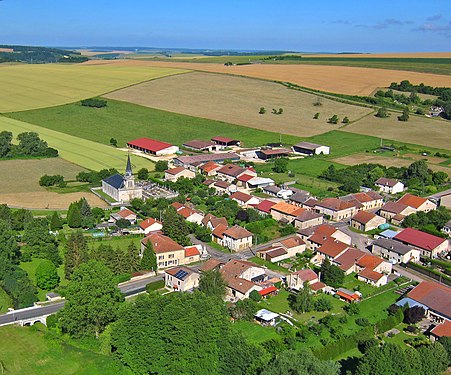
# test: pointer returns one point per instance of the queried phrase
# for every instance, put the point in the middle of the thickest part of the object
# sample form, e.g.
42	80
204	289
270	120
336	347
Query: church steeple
128	168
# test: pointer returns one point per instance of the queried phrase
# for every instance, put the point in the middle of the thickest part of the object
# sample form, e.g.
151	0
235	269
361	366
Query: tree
55	222
92	300
331	274
5	143
39	242
382	112
333	120
255	296
175	226
345	120
143	174
352	308
244	309
31	144
76	252
133	257
316	116
203	233
113	142
302	301
94	103
322	304
262	111
149	259
123	223
74	218
433	359
280	165
446	343
47	275
20	218
57	180
212	284
404	116
300	362
161	165
414	315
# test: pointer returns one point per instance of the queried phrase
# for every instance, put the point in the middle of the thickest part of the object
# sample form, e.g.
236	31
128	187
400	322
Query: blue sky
327	25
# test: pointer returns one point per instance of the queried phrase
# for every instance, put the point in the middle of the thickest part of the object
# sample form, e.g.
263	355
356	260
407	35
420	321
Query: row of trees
30	145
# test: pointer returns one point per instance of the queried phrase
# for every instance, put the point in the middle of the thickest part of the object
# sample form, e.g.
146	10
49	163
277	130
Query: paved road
357	240
128	289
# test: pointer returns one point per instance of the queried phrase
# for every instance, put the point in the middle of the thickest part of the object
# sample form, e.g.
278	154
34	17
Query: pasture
44	85
237	100
334	79
126	121
20	184
85	153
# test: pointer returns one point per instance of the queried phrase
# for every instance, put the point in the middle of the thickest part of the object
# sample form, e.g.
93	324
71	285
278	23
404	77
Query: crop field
44	85
418	130
237	100
87	154
126	121
336	79
20	184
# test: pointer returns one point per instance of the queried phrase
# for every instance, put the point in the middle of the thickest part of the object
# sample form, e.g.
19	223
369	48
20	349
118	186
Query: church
122	188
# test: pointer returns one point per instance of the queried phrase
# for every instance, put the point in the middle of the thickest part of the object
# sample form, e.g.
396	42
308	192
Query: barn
151	146
308	148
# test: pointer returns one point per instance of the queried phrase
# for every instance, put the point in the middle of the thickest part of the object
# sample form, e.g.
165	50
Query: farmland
336	79
126	121
237	100
85	153
18	191
45	85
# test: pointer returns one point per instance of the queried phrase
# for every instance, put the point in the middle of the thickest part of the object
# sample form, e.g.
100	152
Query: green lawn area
120	242
85	153
26	350
401	336
5	301
254	332
125	122
269	265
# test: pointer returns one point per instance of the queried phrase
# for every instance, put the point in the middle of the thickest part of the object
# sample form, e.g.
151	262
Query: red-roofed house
373	270
237	238
181	279
297	279
436	297
192	253
241	277
150	225
331	249
191	215
315	237
285	211
441	330
418	203
264	207
365	221
210	168
169	253
151	146
430	245
244	200
124	213
282	250
390	186
175	173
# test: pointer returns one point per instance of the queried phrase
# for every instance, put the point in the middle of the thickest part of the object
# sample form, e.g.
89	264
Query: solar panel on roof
181	274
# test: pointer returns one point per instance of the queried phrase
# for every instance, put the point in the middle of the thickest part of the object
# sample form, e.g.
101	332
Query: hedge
430	272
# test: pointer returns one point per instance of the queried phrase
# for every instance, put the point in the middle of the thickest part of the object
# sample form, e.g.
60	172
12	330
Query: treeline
416	176
40	55
96	177
443	94
30	145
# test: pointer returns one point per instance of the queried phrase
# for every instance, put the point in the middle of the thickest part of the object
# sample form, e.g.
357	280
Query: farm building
225	142
151	146
436	297
196	160
273	153
365	221
259	182
307	148
201	145
390	186
122	188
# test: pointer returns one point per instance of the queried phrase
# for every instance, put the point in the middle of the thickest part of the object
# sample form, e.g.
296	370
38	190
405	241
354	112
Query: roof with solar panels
180	272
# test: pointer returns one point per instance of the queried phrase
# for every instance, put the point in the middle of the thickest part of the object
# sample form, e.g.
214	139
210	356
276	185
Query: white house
150	225
390	186
181	279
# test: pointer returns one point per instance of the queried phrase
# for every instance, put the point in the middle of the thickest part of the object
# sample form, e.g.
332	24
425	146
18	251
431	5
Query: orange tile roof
191	251
126	212
334	204
288	209
162	244
412	200
332	248
347	260
363	217
292	242
234	268
317	286
370	274
443	329
177	205
175	171
268	290
306	275
369	261
210	264
322	233
237	232
148	223
240	196
219	230
209	166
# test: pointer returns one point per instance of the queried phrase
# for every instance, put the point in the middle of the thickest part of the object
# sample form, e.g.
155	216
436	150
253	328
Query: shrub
363	322
333	120
262	110
316	116
412	329
161	166
322	304
94	103
47	180
256	296
352	308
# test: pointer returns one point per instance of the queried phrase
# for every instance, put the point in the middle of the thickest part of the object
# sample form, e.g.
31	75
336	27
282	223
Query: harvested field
20	184
388	161
237	100
418	130
44	85
336	79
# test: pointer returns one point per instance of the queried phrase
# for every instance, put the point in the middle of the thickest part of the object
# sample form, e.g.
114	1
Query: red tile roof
177	205
224	139
126	212
237	232
149	144
232	170
394	207
235	268
412	200
347	296
174	270
288	209
211	264
175	171
245	177
332	248
209	166
219	230
435	296
322	233
347	260
442	330
386	182
148	223
363	217
306	275
334	204
317	286
265	206
369	261
292	241
370	274
162	244
268	290
240	196
191	251
419	239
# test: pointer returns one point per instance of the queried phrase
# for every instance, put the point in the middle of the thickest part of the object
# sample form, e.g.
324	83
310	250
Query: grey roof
308	215
448	224
128	168
116	181
299	197
411	303
307	145
392	245
272	189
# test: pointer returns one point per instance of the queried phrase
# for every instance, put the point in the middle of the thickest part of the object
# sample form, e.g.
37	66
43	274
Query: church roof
128	168
116	181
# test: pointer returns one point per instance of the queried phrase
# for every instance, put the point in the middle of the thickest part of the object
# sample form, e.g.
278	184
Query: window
160	257
171	256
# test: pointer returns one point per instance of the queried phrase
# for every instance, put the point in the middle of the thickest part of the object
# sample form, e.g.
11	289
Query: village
359	234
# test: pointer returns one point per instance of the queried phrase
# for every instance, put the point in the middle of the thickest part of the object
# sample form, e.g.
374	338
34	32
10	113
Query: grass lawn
5	301
26	350
120	242
254	332
269	265
85	153
125	122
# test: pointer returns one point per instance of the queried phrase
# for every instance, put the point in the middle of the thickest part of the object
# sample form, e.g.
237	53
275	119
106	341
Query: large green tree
212	284
302	301
47	275
39	242
149	258
331	274
175	226
76	252
93	300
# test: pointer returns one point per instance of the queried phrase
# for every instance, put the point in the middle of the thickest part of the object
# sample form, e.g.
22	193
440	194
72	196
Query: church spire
128	168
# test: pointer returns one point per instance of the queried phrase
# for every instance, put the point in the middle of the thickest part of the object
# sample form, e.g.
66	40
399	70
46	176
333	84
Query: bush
47	180
254	295
322	304
47	275
161	166
94	103
352	308
363	322
333	120
412	329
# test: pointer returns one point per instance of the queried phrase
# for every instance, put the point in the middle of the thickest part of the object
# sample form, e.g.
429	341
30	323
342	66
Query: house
122	188
196	160
192	253
436	111
283	211
299	197
237	238
308	219
310	204
264	207
175	173
169	253
440	330
395	212
297	279
418	203
230	172
389	186
271	190
53	297
373	270
282	250
124	213
436	297
273	153
368	200
316	236
307	148
150	225
267	318
181	279
348	259
330	249
151	146
225	142
244	200
209	168
241	277
430	246
191	215
335	208
197	145
211	221
223	187
395	251
211	264
366	221
447	228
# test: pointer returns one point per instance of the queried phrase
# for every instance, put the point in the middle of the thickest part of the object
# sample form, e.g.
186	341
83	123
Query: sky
297	25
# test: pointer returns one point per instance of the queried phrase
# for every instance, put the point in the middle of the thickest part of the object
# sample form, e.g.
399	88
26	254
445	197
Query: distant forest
39	55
